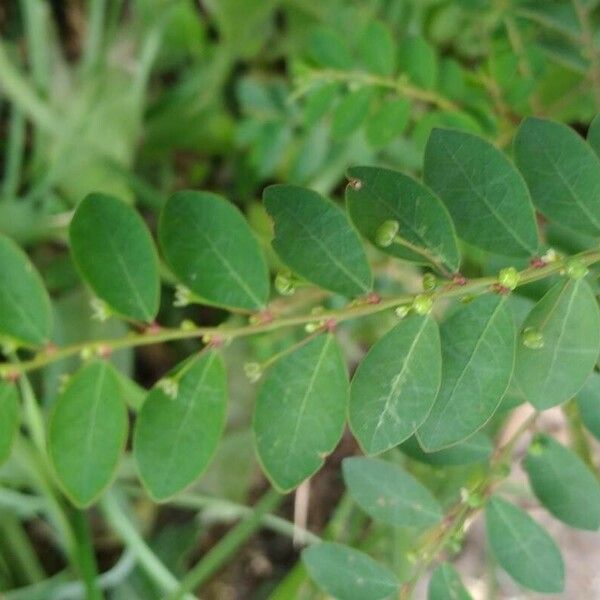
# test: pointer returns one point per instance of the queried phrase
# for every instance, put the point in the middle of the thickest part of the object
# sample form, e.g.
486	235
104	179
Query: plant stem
14	153
224	334
88	568
227	546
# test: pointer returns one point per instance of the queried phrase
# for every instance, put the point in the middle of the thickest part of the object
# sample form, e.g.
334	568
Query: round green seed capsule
532	338
429	282
284	284
384	236
423	304
509	278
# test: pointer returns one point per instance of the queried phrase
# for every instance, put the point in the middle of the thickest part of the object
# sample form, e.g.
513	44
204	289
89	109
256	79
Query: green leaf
593	135
378	195
25	313
9	418
319	101
477	449
389	494
376	48
314	238
87	432
484	192
523	548
177	431
563	483
351	112
588	401
328	49
347	574
300	411
388	122
211	249
115	254
568	321
445	584
562	172
478	352
419	61
395	385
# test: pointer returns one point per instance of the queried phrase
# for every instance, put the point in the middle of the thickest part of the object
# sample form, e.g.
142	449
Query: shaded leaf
314	238
300	411
115	254
9	418
445	584
347	574
25	313
389	494
523	548
211	249
568	321
176	437
593	135
484	192
478	351
395	385
87	432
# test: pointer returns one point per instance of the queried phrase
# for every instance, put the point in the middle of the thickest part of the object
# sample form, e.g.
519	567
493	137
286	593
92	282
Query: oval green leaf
523	548
115	255
396	384
478	352
9	418
300	411
563	483
25	313
379	195
484	192
562	172
351	112
388	121
389	494
568	320
176	434
377	49
348	574
445	584
87	432
314	238
588	401
212	250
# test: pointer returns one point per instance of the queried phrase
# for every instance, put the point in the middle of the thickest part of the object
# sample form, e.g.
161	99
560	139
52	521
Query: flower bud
532	338
183	296
429	282
100	310
509	278
384	236
284	284
422	304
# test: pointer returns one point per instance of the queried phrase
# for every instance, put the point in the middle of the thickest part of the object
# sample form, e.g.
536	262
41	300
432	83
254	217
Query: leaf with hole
523	548
300	411
115	255
389	494
567	322
348	574
87	432
485	194
396	384
212	250
314	238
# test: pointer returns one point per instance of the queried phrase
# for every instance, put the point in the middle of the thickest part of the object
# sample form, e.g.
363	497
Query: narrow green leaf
87	432
378	195
314	238
445	584
211	249
389	494
348	574
376	48
563	483
9	418
568	321
177	431
477	449
300	411
395	385
588	401
25	313
593	135
478	352
115	254
388	121
562	172
351	112
484	192
523	548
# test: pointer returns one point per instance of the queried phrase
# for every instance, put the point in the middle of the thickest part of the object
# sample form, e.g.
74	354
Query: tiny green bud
313	326
422	304
509	278
576	269
402	311
429	282
253	371
384	236
532	338
284	284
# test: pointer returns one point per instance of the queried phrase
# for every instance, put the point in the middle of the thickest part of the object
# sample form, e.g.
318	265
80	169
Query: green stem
94	37
352	311
227	546
88	568
14	153
20	550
